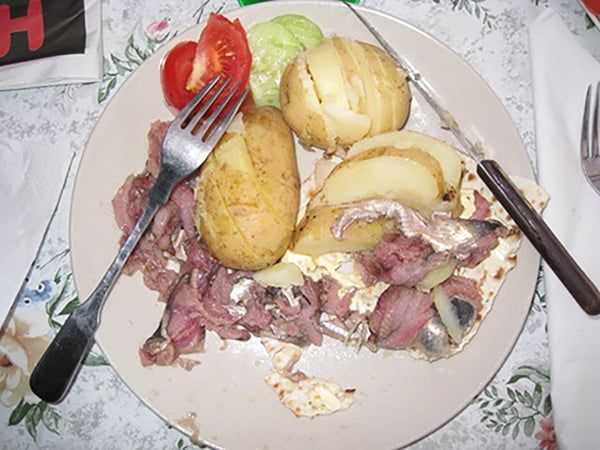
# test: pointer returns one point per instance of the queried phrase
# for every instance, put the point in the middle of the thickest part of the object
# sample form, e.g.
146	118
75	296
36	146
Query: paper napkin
31	177
562	70
59	69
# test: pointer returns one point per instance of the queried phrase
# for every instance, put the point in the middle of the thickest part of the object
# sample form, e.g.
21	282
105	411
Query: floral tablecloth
514	410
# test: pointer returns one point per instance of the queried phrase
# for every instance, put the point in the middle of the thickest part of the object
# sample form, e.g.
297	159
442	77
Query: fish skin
444	233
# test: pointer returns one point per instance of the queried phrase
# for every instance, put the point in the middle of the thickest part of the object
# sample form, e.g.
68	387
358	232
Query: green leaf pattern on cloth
523	404
59	299
140	46
32	414
474	7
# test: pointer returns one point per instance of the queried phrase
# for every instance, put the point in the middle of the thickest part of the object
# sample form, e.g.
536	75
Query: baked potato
247	194
342	91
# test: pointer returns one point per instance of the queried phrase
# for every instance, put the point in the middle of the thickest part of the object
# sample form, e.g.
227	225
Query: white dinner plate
225	400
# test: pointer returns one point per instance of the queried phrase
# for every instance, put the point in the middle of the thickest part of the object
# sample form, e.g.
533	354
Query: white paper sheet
31	177
562	70
79	68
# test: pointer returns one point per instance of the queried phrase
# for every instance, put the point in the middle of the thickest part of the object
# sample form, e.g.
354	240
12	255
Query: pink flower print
546	435
156	30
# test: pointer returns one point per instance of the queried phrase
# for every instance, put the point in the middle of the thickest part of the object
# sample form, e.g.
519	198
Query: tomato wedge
175	71
221	50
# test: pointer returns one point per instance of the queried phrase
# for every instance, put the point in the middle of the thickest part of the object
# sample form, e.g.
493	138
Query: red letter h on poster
32	23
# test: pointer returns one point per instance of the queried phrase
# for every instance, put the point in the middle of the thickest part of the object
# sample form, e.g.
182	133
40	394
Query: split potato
343	91
246	198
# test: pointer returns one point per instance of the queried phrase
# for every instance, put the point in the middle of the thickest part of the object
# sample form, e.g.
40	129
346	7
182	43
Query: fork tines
191	116
590	159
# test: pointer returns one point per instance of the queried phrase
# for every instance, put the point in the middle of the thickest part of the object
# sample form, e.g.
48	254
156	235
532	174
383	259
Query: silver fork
590	158
187	143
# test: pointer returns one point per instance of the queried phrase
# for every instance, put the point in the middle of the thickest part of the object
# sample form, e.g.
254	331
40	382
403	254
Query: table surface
514	410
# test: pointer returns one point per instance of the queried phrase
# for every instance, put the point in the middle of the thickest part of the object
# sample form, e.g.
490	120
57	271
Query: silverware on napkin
531	223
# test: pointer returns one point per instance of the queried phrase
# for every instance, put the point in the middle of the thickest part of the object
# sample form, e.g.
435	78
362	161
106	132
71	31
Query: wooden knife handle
541	236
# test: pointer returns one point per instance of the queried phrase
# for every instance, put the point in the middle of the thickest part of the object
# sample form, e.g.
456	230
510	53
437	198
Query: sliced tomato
175	71
221	50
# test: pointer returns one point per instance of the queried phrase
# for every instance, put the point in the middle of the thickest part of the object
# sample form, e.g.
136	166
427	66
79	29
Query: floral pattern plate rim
224	400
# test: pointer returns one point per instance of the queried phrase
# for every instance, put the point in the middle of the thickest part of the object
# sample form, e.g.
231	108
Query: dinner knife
531	223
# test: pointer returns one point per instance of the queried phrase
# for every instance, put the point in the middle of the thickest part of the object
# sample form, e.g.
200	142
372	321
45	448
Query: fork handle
541	236
57	369
59	365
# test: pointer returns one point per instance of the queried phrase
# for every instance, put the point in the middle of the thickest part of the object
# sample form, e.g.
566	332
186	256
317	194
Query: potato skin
247	194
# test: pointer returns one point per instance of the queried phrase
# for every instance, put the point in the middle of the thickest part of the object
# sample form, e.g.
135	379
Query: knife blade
529	221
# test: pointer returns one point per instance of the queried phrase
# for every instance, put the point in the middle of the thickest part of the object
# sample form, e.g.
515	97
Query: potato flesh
373	98
353	84
327	76
417	188
348	125
243	191
380	114
323	167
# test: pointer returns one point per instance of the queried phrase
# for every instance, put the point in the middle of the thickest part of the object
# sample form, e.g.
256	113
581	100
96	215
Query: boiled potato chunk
247	195
438	275
280	275
343	91
410	176
313	235
449	159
